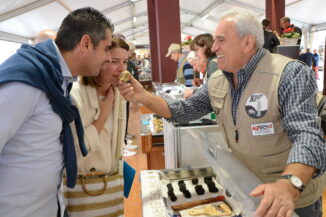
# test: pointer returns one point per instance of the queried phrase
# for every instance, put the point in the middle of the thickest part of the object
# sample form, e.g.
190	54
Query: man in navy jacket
308	58
35	111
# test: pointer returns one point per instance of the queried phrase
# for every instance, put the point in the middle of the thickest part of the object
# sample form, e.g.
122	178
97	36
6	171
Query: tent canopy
21	20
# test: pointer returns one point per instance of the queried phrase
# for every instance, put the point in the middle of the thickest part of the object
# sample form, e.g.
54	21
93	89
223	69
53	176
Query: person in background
301	55
35	135
192	60
266	104
45	35
132	67
270	39
103	113
315	63
307	57
202	45
288	27
139	60
198	69
147	64
185	72
277	34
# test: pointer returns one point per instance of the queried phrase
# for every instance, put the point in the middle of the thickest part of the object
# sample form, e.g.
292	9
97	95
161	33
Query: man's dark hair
266	22
204	40
79	23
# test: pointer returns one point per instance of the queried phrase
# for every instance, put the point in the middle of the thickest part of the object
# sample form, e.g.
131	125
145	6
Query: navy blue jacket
308	57
39	67
270	40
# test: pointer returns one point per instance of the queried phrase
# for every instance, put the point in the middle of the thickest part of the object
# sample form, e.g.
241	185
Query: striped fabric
188	73
108	204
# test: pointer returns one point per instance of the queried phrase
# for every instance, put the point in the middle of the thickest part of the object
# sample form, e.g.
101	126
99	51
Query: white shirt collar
64	67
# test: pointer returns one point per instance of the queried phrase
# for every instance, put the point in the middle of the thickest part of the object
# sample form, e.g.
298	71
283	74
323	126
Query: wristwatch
295	181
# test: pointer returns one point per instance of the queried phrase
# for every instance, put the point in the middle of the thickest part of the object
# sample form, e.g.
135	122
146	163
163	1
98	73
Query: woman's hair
92	80
246	24
204	40
119	42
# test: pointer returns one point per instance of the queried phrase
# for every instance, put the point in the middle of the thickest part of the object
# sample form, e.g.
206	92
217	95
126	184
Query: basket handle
96	192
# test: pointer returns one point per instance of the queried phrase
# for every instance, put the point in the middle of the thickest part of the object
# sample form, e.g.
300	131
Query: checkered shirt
296	93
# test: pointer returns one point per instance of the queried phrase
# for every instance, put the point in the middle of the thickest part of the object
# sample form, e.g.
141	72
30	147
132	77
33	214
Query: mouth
220	56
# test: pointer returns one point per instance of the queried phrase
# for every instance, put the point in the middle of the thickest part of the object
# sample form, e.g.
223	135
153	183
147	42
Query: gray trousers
314	210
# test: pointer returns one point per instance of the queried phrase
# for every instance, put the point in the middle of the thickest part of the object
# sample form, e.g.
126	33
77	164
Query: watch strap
288	176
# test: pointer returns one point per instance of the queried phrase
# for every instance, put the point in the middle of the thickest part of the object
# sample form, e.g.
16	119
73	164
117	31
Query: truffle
172	196
200	190
194	181
186	193
124	76
208	179
170	187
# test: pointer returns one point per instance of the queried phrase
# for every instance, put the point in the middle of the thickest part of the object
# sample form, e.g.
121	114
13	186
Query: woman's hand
106	104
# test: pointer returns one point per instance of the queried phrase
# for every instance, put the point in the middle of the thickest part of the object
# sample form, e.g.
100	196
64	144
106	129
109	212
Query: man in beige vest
266	104
185	72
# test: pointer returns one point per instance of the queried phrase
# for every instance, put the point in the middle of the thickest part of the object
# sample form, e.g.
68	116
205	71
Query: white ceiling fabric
21	20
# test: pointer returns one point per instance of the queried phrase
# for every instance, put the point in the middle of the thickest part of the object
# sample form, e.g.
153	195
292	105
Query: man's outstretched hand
278	199
132	91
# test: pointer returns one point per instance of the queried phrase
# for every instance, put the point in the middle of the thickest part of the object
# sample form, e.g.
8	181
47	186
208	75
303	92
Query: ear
250	42
85	43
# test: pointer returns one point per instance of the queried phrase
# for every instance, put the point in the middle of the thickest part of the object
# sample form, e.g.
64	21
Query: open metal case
202	156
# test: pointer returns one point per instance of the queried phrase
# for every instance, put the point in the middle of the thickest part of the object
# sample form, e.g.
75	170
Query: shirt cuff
172	108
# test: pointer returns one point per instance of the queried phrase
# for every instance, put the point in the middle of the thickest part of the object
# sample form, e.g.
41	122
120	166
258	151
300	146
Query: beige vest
266	153
180	75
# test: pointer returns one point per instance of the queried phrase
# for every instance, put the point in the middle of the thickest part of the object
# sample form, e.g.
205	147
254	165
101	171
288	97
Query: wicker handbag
95	194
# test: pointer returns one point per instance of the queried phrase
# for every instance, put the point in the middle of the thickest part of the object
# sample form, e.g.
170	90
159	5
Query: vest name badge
262	129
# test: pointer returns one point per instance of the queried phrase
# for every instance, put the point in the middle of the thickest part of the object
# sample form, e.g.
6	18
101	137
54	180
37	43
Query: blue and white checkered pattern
296	94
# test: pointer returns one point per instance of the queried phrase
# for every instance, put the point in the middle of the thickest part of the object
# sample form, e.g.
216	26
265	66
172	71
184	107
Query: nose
121	68
214	47
108	56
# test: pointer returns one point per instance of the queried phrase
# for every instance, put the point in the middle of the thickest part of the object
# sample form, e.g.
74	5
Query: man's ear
250	42
86	43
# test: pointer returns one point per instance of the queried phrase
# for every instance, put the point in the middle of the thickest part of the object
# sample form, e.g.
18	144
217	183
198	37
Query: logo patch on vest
256	105
262	129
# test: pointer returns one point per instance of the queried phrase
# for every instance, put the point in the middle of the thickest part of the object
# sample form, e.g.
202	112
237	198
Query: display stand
152	142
